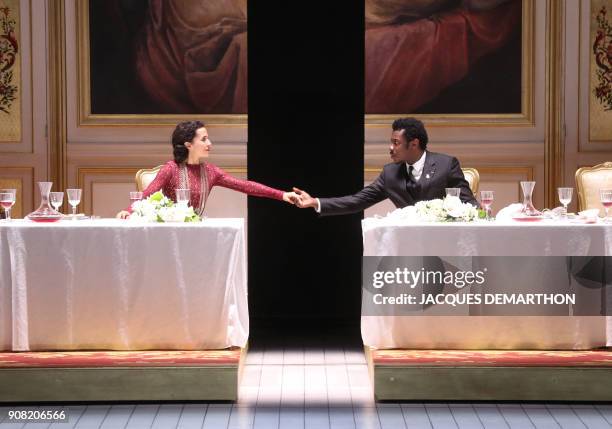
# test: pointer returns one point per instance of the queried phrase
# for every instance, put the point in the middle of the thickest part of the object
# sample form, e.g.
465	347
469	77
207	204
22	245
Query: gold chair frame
141	176
582	199
473	178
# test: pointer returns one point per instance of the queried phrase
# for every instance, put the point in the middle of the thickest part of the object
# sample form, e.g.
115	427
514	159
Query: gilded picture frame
86	118
523	119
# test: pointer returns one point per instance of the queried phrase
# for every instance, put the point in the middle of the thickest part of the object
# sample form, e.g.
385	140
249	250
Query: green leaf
157	196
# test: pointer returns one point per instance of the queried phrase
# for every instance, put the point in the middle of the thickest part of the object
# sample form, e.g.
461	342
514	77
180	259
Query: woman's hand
290	197
123	215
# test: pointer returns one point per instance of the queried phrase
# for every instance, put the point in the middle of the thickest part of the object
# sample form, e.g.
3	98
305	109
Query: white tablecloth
382	237
120	285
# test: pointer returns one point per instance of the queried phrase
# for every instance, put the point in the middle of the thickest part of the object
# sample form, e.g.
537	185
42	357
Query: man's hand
123	215
290	197
304	199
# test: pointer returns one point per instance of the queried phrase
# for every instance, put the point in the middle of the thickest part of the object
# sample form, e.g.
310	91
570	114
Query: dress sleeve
161	180
221	178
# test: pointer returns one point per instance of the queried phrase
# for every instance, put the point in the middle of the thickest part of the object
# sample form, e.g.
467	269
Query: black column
306	107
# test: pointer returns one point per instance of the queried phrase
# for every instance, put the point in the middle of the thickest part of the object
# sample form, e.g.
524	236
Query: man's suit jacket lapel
429	170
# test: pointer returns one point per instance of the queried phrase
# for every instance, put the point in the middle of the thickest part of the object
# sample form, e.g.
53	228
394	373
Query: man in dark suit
415	175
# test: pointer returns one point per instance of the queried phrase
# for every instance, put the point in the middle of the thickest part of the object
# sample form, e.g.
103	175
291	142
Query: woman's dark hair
413	129
184	132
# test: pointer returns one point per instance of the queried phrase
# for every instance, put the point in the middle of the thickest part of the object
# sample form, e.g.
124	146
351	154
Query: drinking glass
183	196
56	199
74	198
565	197
528	208
453	192
135	196
605	196
7	199
486	199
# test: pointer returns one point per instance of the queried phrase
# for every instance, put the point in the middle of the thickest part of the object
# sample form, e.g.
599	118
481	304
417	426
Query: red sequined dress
169	179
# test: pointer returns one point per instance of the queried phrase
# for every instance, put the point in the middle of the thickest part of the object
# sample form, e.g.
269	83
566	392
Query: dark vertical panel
306	107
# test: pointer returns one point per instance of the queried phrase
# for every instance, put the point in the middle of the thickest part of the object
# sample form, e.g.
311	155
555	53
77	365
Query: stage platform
490	375
209	375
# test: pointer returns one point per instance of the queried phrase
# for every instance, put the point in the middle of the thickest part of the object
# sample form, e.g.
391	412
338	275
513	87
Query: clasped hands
300	198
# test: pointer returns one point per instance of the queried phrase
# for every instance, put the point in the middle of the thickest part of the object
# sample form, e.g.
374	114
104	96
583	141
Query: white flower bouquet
159	208
450	209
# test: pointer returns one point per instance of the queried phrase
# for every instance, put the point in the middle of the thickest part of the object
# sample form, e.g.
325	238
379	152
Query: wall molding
108	173
57	93
25	198
527	170
554	153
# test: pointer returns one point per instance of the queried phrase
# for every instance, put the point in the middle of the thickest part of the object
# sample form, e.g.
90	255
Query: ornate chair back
473	179
589	180
145	176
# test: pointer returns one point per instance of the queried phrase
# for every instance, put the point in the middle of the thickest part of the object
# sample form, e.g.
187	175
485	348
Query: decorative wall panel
10	71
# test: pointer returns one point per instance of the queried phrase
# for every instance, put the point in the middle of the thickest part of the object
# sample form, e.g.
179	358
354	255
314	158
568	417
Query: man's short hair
413	129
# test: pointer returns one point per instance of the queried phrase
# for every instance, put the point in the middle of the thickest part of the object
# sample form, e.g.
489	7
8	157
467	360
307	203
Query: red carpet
120	359
492	358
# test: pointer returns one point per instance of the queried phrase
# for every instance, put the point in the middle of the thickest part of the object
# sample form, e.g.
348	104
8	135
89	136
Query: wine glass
453	192
182	196
486	199
605	196
135	196
56	199
565	197
74	198
7	199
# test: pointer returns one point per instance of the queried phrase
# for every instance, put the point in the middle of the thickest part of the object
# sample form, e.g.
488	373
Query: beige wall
102	159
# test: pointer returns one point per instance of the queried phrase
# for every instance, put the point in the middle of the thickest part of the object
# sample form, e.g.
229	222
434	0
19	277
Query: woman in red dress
191	146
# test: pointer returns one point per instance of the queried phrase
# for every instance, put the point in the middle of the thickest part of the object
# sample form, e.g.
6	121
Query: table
383	237
122	285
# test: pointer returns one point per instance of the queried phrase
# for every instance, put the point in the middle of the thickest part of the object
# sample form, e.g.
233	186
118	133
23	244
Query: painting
10	72
600	99
461	60
146	61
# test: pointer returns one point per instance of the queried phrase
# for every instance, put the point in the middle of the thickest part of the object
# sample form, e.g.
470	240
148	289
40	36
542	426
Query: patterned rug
505	358
157	358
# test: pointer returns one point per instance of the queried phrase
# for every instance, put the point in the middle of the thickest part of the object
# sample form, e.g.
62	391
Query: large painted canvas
444	57
10	72
600	98
150	57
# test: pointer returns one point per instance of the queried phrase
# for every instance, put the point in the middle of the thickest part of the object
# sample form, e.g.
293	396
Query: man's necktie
412	185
